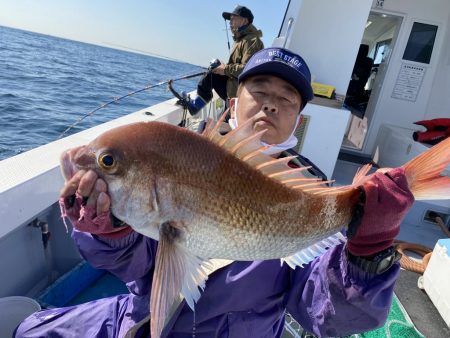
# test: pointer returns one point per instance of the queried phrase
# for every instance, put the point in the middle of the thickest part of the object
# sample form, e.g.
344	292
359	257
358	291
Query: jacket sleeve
248	48
130	258
332	297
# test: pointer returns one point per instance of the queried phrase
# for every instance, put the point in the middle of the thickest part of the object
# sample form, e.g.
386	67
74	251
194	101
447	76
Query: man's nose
269	107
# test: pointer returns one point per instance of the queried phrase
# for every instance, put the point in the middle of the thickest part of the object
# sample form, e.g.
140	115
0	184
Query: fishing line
185	77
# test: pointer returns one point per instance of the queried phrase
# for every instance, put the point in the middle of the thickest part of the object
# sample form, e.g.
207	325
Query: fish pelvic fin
197	272
423	173
178	274
308	254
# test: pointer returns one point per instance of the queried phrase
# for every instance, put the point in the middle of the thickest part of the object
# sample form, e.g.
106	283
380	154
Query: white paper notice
408	82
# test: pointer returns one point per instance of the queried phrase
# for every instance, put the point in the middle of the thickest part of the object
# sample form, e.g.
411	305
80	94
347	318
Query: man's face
237	21
278	101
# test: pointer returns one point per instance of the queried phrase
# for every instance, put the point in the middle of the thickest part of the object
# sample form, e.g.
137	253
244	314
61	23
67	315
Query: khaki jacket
246	43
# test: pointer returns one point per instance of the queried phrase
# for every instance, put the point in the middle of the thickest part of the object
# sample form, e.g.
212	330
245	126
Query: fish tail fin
424	173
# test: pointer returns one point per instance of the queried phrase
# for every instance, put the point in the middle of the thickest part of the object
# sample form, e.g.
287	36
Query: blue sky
191	31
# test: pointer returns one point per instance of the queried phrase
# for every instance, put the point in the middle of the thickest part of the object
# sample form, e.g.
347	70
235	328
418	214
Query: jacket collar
246	30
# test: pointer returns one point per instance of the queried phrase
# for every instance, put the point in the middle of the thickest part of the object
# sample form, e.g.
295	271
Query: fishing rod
185	77
184	99
226	32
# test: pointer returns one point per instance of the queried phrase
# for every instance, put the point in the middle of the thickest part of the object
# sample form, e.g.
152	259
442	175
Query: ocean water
48	83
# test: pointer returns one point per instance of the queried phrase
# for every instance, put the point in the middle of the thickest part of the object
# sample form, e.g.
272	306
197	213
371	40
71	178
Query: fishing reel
183	100
214	64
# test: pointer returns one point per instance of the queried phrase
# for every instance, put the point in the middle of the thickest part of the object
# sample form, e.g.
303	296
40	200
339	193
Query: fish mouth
75	159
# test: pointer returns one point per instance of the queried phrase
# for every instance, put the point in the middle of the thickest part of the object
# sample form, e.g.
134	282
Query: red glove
439	124
431	137
91	213
85	219
387	200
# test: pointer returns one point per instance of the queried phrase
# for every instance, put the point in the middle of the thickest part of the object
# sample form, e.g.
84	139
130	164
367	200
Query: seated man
346	290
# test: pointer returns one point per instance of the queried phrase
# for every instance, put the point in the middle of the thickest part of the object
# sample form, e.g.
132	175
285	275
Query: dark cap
284	64
239	11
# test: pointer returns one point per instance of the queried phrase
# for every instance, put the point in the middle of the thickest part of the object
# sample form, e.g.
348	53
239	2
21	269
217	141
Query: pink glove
84	219
387	200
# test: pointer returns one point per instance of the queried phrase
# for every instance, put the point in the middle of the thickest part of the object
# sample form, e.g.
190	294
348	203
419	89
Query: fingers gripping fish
211	196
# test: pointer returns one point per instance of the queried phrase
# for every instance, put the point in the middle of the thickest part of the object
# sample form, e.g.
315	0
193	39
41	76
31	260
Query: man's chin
269	139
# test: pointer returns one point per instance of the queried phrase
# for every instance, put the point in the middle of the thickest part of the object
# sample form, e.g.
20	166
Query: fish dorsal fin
290	173
308	254
244	143
208	127
293	182
358	180
212	129
361	175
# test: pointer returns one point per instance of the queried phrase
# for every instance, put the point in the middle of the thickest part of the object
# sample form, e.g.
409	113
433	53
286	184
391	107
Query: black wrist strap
378	264
117	223
356	220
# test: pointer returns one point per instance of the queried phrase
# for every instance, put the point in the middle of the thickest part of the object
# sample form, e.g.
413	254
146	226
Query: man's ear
233	103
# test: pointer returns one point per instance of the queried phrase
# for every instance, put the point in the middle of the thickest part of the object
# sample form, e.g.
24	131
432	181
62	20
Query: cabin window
420	43
381	51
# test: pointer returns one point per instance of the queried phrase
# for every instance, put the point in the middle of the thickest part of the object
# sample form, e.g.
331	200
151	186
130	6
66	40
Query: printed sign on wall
408	82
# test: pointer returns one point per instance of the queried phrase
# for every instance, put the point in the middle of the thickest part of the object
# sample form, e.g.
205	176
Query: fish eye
106	161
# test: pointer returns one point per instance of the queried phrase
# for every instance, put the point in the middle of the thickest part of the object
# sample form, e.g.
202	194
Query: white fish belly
212	241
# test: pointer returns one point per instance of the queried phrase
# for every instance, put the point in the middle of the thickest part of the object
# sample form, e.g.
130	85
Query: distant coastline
143	52
107	45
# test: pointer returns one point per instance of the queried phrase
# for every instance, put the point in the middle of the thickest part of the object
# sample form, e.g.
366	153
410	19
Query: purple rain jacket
328	297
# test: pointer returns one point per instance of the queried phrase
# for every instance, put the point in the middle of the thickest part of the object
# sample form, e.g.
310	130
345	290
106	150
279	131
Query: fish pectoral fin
177	273
308	254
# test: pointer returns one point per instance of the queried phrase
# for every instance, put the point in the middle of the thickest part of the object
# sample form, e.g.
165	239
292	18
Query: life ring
410	264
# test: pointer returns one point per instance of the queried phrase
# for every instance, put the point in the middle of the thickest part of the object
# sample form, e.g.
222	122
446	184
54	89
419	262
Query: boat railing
30	182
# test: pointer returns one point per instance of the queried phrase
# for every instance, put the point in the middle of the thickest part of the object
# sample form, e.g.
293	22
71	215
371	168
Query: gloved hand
387	200
84	200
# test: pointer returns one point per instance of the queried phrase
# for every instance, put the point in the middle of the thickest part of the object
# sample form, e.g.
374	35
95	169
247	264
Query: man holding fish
342	290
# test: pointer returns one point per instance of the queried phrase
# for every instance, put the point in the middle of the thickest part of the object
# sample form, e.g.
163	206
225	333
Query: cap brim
286	73
226	15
